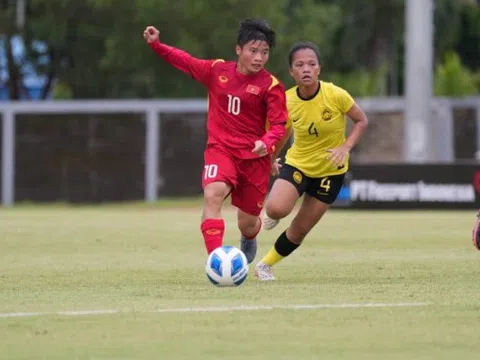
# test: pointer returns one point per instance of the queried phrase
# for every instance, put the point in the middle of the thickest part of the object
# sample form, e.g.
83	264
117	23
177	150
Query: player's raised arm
277	115
197	68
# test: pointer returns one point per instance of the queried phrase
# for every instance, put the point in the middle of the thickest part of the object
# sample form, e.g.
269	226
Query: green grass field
145	264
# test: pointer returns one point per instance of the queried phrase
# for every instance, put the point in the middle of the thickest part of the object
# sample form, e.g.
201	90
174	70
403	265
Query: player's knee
248	225
276	210
214	194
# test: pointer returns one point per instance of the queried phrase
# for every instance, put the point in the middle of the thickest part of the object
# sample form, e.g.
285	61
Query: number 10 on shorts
210	171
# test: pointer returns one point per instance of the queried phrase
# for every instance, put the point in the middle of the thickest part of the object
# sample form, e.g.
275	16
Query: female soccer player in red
242	95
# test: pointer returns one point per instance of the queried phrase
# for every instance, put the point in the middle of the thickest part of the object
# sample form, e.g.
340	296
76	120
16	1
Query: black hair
255	29
300	45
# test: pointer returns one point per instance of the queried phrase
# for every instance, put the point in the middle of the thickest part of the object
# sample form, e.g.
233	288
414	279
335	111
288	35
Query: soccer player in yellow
316	163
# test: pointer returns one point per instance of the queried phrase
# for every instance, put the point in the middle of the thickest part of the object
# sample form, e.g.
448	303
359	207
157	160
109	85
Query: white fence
442	137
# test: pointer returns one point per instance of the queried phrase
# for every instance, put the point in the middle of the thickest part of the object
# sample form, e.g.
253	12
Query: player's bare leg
280	203
476	232
213	196
213	225
249	226
309	214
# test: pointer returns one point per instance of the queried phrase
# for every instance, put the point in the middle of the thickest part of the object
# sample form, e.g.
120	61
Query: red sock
251	237
212	230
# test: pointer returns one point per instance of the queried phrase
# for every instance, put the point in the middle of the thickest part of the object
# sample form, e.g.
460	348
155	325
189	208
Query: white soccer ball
227	266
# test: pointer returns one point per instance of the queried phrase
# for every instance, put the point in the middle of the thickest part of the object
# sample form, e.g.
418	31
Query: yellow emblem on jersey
297	177
327	115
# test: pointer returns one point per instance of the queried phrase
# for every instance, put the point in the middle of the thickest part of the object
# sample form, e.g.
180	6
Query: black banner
411	186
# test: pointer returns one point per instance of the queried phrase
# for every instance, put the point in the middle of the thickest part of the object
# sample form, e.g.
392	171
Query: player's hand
276	166
260	148
151	34
338	155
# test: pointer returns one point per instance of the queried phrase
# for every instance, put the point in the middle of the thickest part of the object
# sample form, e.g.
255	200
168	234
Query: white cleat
263	272
268	223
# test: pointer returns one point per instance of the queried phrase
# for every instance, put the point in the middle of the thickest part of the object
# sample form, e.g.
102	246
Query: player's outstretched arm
197	68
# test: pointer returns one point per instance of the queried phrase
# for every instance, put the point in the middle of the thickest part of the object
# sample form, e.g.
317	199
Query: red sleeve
277	115
197	68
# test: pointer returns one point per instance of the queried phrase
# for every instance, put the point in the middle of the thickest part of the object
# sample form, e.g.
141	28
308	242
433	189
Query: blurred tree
13	67
372	38
310	20
76	34
457	48
452	78
367	45
468	41
447	26
362	83
213	36
94	48
63	41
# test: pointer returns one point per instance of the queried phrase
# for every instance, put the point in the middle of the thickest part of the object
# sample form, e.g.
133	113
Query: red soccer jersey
238	105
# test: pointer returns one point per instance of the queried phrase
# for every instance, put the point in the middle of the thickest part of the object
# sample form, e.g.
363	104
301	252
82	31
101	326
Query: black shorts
325	188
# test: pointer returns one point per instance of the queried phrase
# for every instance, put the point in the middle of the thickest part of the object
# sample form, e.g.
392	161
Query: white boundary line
214	309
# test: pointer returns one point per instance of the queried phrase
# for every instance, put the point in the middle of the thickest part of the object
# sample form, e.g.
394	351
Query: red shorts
249	178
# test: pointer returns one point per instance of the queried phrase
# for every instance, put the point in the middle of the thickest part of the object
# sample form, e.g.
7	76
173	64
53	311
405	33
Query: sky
31	78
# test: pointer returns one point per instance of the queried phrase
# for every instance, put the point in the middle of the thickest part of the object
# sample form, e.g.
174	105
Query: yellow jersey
319	124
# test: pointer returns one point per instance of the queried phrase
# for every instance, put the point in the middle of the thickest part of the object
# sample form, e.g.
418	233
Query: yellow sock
272	257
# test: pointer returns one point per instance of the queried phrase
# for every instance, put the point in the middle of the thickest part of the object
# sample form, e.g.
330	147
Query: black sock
283	246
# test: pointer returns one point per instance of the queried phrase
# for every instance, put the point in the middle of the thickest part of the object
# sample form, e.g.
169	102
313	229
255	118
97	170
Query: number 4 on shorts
325	184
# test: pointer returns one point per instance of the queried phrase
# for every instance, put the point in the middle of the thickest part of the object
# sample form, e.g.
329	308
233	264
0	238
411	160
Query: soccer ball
227	266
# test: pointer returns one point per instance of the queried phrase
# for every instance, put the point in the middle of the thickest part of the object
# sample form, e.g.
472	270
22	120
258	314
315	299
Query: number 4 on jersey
312	130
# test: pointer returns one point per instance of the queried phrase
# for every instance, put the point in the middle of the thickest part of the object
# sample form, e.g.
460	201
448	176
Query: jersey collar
310	97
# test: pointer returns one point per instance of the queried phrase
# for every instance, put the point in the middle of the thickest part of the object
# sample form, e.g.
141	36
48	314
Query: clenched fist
260	148
151	34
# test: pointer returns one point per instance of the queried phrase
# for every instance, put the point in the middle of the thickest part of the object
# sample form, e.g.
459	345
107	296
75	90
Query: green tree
452	78
468	40
94	48
368	44
13	66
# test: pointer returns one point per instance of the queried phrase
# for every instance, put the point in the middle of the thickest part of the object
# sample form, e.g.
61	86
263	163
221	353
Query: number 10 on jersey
233	105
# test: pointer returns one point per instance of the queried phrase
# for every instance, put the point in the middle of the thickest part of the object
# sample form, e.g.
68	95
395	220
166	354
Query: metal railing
442	141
